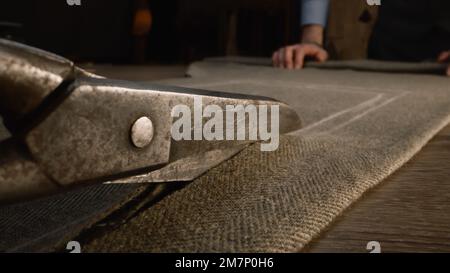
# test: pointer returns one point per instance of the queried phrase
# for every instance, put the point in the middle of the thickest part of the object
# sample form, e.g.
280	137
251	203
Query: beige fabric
359	128
48	223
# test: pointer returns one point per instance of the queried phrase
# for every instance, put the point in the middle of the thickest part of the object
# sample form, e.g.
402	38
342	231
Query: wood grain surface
408	212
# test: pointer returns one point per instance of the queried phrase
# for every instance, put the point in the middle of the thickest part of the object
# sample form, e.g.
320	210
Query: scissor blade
189	167
190	159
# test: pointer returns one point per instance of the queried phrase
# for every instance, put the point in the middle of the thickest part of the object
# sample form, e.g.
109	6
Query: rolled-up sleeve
314	12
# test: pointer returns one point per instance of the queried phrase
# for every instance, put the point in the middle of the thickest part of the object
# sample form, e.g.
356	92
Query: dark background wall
182	30
97	30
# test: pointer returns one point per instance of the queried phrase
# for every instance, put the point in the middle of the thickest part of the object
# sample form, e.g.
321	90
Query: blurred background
176	31
140	31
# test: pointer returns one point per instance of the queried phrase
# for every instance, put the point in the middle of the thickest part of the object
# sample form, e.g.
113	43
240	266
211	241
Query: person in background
406	30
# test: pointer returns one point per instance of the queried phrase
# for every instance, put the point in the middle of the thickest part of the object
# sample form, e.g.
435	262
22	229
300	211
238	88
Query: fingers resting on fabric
293	56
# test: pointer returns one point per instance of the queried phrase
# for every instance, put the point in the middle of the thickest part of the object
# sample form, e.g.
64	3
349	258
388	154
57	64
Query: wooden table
408	212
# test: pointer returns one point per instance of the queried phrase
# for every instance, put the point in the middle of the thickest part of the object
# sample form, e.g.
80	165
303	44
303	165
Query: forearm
312	34
313	20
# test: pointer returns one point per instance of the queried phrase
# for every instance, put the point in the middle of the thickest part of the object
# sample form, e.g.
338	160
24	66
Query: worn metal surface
28	75
88	136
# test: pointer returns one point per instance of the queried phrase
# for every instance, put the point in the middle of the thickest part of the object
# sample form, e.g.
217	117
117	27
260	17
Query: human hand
444	57
293	57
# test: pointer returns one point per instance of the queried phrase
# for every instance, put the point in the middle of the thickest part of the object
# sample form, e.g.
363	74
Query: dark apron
411	30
